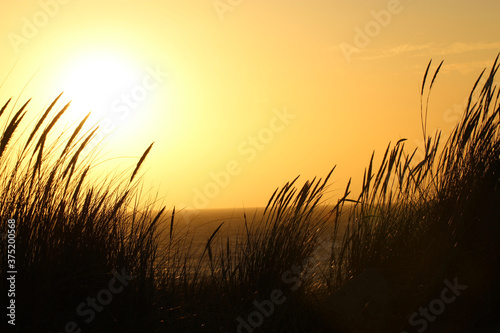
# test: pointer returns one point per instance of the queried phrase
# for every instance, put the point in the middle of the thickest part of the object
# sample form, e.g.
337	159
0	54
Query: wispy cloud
434	49
467	66
439	50
459	47
399	50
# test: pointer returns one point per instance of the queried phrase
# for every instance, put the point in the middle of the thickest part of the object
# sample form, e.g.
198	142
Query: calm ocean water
197	226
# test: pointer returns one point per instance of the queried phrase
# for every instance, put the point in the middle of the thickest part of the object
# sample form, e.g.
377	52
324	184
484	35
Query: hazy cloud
433	49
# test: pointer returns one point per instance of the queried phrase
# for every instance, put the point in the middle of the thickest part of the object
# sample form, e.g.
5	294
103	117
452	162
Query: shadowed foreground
419	246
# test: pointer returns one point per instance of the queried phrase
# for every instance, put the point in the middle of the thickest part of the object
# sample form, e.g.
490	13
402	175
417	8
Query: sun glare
93	81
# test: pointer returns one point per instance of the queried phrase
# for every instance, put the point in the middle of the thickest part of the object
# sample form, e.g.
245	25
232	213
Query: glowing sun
94	81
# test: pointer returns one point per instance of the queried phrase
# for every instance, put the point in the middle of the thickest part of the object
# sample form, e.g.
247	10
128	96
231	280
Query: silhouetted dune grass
363	264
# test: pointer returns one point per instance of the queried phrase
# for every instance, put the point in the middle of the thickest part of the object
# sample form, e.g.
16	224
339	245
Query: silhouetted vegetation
414	224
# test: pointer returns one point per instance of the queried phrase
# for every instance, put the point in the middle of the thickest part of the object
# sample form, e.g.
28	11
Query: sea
193	229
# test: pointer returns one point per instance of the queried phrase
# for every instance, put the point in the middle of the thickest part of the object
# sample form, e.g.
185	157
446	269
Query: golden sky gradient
242	96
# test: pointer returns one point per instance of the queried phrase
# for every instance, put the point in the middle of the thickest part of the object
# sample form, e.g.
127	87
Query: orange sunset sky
242	96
